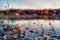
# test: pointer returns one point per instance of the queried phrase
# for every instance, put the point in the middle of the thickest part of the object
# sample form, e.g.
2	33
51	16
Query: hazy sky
30	4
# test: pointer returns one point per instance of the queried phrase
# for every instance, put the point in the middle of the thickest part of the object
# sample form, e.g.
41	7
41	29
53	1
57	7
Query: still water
35	24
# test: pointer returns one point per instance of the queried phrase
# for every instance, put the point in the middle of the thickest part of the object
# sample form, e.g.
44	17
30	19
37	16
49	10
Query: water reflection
35	24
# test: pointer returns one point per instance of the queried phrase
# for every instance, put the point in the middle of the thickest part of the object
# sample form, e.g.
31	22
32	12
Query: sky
30	4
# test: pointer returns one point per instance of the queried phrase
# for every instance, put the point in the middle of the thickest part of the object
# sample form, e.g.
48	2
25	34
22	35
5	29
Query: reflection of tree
53	30
41	27
52	27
